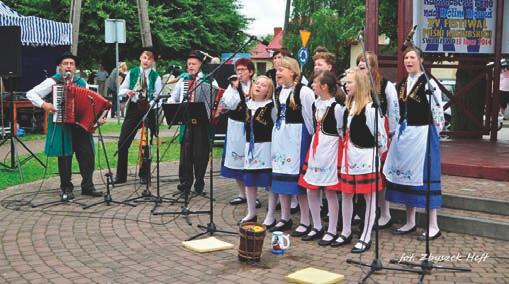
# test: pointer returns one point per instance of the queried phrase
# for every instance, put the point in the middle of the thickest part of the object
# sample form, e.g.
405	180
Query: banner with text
456	26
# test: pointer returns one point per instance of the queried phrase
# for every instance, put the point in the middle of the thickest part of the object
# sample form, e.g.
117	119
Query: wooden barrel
251	241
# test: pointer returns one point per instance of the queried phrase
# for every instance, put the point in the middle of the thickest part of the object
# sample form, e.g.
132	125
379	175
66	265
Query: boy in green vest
141	85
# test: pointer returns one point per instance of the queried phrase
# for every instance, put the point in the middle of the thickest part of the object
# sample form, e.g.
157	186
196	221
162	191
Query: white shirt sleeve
158	86
231	98
437	111
40	91
124	88
307	97
339	112
370	123
392	107
175	93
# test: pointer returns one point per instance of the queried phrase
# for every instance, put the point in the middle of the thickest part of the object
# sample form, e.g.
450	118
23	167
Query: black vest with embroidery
262	123
383	96
328	125
359	131
416	102
239	114
292	115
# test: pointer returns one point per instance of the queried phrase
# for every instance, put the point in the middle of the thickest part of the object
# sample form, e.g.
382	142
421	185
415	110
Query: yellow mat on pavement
207	245
312	275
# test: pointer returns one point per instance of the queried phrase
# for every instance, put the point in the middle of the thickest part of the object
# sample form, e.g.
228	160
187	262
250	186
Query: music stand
185	113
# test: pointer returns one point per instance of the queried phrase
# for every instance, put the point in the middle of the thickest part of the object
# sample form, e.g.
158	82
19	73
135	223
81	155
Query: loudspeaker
10	51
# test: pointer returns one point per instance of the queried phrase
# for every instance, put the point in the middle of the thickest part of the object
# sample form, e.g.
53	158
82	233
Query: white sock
332	203
271	207
410	219
242	188
347	211
385	213
369	217
251	202
284	199
314	206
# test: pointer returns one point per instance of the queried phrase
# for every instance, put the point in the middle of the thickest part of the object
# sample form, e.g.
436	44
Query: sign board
304	37
114	31
457	26
303	55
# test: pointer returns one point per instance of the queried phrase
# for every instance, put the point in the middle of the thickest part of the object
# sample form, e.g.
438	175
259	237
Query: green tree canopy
177	26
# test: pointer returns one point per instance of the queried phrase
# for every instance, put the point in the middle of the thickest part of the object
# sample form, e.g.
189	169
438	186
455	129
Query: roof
35	30
261	51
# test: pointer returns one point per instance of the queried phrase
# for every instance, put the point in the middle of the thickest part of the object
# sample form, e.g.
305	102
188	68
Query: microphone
408	40
206	54
67	75
253	37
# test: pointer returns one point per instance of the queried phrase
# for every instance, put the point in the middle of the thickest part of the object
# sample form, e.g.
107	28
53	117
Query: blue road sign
303	55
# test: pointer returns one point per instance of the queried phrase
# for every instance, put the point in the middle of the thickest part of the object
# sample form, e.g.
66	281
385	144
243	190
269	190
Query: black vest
383	96
359	131
328	124
262	123
292	116
416	102
239	114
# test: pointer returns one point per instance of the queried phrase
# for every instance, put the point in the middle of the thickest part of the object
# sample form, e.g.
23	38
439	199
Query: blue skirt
258	178
227	172
415	196
286	183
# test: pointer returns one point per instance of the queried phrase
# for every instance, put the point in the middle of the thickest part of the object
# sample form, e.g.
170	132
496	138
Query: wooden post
287	14
495	107
146	35
405	18
372	26
74	19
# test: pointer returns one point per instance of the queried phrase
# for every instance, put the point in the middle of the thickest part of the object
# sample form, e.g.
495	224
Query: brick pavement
120	244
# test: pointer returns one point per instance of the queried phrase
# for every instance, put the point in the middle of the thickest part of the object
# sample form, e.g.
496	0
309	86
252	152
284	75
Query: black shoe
66	195
400	232
385	226
278	206
296	233
181	188
91	192
295	209
311	237
241	221
364	247
323	242
198	190
143	180
271	225
237	200
258	203
341	240
118	180
423	236
287	225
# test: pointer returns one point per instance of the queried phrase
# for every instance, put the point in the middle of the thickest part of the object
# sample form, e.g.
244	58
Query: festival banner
456	26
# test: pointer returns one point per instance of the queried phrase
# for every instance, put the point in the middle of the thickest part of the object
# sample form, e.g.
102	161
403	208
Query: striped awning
35	30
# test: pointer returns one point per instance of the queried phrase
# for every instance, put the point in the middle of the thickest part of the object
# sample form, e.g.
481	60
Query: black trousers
133	116
194	156
86	160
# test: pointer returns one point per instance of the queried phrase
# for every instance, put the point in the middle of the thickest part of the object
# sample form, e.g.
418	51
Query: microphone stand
426	265
376	264
109	176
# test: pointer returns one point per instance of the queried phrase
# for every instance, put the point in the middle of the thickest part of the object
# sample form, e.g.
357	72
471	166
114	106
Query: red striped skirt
365	183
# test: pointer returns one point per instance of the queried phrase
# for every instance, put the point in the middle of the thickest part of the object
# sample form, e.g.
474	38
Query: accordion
205	93
79	106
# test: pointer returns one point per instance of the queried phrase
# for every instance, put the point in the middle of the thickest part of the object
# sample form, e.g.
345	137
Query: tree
177	26
335	23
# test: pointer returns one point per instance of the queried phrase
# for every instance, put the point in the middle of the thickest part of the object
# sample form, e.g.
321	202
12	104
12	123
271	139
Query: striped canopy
35	30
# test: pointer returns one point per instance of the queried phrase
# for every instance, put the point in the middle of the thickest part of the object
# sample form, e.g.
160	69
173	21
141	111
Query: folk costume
62	140
147	85
405	168
234	100
195	136
321	169
290	137
257	147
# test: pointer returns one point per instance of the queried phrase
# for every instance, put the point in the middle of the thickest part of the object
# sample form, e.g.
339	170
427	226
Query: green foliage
335	24
177	26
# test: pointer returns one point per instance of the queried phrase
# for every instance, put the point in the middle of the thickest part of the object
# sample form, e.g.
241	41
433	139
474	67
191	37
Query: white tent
35	30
